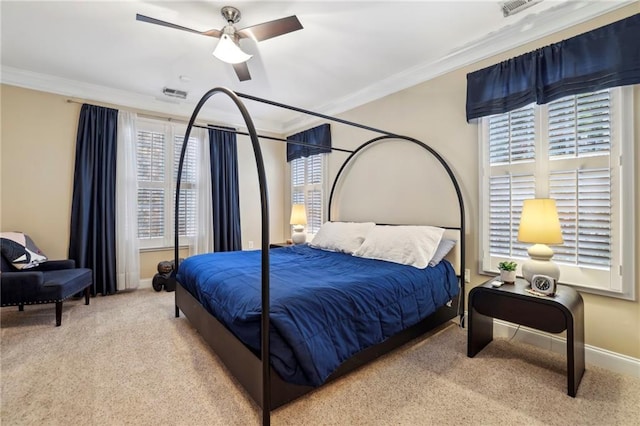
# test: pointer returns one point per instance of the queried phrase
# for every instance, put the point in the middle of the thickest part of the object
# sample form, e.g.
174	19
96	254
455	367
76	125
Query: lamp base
298	236
540	263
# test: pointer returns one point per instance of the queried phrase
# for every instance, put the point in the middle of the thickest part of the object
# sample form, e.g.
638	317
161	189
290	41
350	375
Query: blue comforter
325	306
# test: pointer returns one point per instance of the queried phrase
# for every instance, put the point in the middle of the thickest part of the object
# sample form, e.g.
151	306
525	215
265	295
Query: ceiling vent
514	6
175	93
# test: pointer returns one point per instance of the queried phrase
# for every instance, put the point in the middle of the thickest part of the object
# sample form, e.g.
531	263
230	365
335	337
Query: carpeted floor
126	360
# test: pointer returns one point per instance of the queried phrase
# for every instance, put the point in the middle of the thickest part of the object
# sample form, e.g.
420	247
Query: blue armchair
50	282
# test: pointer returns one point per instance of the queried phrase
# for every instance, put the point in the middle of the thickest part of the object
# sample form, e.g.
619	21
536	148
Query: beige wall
38	154
434	112
38	139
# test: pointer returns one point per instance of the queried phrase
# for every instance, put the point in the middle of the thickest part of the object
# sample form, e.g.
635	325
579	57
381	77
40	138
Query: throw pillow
20	250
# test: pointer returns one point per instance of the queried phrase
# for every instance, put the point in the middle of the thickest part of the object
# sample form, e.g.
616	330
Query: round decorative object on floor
159	281
163	278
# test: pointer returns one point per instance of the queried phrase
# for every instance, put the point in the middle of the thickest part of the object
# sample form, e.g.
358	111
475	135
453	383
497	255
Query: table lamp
298	220
540	225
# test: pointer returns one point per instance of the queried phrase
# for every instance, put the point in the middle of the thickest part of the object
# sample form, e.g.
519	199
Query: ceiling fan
228	48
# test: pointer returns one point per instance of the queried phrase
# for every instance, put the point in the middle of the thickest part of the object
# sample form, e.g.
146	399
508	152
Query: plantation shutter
158	154
151	202
506	195
188	190
580	125
511	141
580	133
572	150
297	180
584	208
307	188
314	195
512	136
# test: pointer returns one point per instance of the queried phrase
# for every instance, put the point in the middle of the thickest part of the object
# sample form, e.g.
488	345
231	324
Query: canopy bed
313	311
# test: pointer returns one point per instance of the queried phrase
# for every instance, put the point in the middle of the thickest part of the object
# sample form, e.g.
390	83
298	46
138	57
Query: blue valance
317	141
605	57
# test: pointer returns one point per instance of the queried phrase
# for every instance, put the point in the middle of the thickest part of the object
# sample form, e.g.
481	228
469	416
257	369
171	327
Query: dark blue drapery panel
605	57
93	211
225	191
319	137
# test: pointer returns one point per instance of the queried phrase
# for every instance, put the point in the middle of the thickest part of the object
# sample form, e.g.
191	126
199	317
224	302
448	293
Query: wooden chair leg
21	307
58	313
87	293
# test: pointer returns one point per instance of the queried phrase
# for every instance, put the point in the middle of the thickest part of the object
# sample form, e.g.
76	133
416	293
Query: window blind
512	136
151	201
188	192
307	188
506	194
158	155
580	125
570	150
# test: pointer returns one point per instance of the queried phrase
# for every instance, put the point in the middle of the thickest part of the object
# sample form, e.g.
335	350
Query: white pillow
443	249
408	245
343	237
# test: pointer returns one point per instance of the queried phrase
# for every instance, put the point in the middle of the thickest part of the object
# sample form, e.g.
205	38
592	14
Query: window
158	155
307	187
579	151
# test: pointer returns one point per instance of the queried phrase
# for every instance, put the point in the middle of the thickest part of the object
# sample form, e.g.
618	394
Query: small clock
543	284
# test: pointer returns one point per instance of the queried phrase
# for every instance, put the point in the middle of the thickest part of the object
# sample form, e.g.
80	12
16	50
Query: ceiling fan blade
212	33
271	29
143	18
242	71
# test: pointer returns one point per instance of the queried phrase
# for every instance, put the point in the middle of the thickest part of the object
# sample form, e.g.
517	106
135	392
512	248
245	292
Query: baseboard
598	357
145	283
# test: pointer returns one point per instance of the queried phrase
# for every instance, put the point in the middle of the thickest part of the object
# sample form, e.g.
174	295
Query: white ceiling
347	54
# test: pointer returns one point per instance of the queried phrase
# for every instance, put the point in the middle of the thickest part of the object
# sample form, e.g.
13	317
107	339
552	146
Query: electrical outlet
250	244
467	275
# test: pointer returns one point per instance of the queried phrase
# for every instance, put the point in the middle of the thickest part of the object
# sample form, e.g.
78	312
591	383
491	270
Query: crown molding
528	29
101	94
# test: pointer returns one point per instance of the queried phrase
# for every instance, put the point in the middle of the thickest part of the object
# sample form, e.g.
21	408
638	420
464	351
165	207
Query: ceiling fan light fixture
228	51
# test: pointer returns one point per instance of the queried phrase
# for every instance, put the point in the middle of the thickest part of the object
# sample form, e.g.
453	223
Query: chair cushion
41	287
67	282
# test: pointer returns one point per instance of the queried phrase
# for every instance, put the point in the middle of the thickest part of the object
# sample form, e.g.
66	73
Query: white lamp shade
298	215
539	223
228	51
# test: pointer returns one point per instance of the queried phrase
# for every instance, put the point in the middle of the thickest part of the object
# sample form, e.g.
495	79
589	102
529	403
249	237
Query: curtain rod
139	112
226	129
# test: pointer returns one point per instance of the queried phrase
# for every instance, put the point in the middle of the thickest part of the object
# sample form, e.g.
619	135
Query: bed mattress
324	306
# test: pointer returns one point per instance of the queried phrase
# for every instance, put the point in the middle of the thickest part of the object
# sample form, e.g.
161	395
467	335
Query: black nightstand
279	245
512	303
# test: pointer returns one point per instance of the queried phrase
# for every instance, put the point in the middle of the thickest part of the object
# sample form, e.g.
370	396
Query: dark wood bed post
264	203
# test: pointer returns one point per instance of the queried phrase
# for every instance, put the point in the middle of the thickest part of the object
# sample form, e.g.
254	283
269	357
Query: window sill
154	249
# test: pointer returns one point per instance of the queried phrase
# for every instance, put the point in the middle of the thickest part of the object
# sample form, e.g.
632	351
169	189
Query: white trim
531	28
89	92
528	29
594	356
146	283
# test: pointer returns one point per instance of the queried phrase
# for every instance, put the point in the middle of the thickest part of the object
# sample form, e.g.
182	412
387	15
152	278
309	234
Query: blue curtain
319	137
93	209
225	192
605	57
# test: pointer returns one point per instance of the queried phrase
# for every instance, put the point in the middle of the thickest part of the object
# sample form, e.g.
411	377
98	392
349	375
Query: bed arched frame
265	400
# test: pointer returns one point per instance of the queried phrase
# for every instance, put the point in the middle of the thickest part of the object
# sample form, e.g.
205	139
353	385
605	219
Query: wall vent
174	93
514	6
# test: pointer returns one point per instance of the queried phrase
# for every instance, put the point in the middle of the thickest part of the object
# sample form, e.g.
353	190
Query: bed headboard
406	183
454	255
